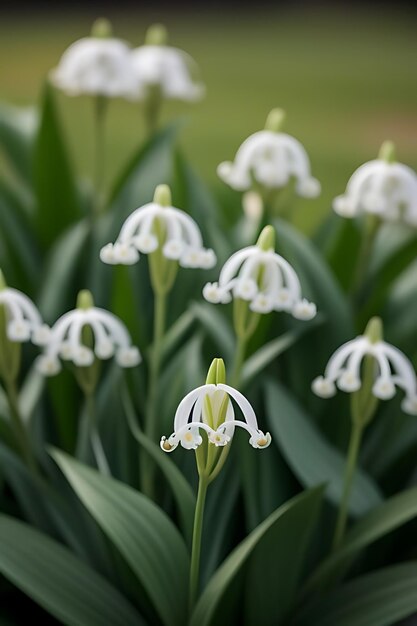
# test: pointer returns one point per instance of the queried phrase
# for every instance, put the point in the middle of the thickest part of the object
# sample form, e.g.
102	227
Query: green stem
196	544
239	360
351	463
95	440
19	428
99	153
372	225
152	109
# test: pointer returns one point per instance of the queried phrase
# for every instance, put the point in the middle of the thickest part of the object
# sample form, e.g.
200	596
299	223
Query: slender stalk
351	463
100	111
19	428
95	440
372	225
239	360
196	544
152	110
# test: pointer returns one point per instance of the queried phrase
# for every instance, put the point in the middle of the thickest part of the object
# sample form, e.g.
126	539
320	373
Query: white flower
271	159
66	341
24	322
182	242
97	65
168	68
392	368
278	289
193	415
387	190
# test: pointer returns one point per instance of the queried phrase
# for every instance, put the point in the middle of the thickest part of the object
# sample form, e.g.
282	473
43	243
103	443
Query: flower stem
99	154
19	428
351	463
95	440
239	360
372	225
196	544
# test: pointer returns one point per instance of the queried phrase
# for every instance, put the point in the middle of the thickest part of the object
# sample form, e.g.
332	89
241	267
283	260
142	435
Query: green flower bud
275	120
216	373
102	28
374	330
266	240
156	35
85	300
387	152
162	195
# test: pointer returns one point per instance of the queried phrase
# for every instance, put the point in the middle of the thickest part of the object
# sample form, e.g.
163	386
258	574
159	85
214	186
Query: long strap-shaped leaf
284	531
62	584
145	537
381	598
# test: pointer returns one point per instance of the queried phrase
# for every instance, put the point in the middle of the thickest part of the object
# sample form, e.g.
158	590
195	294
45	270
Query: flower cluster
181	238
200	410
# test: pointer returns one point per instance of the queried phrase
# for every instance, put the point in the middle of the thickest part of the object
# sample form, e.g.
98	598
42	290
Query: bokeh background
345	73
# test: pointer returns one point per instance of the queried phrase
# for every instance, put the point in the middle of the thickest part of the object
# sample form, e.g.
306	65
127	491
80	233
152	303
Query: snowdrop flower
181	242
23	321
169	69
263	278
110	335
209	408
271	158
382	187
99	65
392	369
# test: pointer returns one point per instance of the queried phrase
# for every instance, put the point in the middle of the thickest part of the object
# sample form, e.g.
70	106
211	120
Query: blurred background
345	73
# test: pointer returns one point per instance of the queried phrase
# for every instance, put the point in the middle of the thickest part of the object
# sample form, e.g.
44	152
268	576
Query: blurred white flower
182	240
110	337
23	321
263	278
392	368
97	65
270	158
203	409
170	69
383	188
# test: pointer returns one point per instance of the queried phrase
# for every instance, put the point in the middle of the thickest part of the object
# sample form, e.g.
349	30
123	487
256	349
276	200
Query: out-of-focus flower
262	277
66	341
158	225
99	65
382	187
392	368
169	69
271	159
209	408
23	321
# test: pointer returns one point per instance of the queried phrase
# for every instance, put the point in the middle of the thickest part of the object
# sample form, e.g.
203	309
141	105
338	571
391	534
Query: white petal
323	387
304	310
128	357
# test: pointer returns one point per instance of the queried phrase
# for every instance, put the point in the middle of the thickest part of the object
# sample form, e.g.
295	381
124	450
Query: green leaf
67	588
278	539
377	523
145	537
17	128
183	494
312	459
57	201
216	325
381	598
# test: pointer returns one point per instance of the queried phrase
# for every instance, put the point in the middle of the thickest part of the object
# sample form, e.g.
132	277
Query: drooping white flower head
99	65
271	158
182	241
262	277
170	69
392	369
382	187
210	408
110	338
23	320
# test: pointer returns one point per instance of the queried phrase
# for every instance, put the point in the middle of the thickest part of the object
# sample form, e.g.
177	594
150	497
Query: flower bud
216	373
275	120
387	152
156	35
102	28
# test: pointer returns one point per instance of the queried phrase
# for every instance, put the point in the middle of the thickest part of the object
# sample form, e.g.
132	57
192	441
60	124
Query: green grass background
347	80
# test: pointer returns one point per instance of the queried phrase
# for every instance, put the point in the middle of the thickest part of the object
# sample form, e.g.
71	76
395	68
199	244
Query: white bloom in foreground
23	321
110	338
182	240
271	159
192	417
99	66
392	369
170	69
382	188
263	278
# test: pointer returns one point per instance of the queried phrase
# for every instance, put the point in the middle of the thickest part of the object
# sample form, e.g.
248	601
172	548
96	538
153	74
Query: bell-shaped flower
271	159
392	369
382	187
67	342
158	225
209	408
169	69
23	321
99	65
262	277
